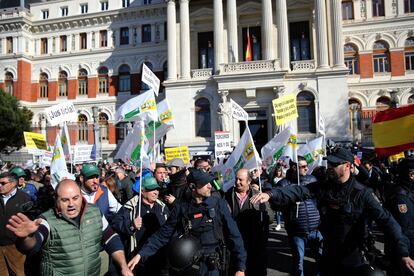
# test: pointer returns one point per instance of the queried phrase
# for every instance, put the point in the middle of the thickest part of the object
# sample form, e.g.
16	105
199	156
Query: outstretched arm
25	229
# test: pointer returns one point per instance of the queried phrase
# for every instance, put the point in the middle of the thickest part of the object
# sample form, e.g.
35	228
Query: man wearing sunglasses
344	205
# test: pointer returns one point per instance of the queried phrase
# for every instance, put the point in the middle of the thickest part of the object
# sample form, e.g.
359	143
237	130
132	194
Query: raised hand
22	226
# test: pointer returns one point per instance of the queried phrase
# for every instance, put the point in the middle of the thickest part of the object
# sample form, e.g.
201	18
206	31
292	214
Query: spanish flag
249	47
393	130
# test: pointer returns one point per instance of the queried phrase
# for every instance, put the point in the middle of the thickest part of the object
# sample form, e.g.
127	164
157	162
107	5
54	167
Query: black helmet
368	270
183	252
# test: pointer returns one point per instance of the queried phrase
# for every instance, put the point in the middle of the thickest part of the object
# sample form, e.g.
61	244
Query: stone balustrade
258	66
201	74
303	65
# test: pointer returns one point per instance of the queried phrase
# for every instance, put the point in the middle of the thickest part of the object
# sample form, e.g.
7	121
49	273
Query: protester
110	183
28	188
175	165
124	184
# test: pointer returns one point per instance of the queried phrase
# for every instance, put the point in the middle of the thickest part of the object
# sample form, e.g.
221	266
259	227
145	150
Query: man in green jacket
70	236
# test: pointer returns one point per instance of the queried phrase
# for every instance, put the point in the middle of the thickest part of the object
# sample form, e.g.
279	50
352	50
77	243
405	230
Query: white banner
222	143
83	154
313	151
58	164
64	112
237	112
150	79
142	106
46	159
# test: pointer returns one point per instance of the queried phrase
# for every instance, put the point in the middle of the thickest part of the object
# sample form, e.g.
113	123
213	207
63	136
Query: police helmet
18	172
183	252
368	270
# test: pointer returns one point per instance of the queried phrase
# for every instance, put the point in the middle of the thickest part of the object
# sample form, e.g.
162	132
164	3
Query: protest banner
83	154
141	107
58	164
150	79
222	141
237	112
396	157
285	109
313	151
35	140
45	159
130	149
63	112
177	152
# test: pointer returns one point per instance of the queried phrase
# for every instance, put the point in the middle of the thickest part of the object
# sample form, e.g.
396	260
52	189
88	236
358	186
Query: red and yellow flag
249	47
393	130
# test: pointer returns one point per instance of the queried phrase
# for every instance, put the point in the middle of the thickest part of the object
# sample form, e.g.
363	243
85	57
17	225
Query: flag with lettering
58	165
65	140
313	151
140	107
276	148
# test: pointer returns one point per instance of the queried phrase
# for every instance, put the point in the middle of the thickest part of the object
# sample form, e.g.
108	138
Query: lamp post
95	115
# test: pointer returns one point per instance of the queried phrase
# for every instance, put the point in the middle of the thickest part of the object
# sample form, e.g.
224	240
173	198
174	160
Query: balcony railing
257	66
303	65
201	74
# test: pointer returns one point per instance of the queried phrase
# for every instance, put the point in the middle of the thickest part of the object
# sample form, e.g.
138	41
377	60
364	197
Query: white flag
321	125
275	148
142	106
244	156
65	140
150	79
237	112
164	124
313	151
58	165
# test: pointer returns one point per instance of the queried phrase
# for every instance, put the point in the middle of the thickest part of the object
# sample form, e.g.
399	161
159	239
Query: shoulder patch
402	208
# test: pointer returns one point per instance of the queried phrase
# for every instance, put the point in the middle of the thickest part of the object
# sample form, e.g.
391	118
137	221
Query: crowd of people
175	219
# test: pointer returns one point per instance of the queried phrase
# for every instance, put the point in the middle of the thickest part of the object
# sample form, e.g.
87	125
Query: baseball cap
199	177
89	170
340	155
150	183
176	162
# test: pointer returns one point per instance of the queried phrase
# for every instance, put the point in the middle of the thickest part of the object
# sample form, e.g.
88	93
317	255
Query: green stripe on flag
132	113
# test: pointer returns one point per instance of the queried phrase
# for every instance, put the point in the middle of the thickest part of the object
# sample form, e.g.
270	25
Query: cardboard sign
83	154
285	109
64	112
35	140
222	141
177	152
150	79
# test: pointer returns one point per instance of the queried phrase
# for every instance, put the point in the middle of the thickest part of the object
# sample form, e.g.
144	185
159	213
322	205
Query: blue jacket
31	190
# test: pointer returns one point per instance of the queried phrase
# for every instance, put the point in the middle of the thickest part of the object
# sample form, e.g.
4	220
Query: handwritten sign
177	152
64	112
285	109
222	143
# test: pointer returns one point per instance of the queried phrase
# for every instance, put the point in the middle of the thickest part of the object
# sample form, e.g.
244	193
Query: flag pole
140	156
153	145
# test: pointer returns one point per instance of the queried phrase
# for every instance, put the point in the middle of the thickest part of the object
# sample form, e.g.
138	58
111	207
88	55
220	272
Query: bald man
69	236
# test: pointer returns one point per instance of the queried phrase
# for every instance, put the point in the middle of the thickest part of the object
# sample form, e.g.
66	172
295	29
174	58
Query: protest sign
142	107
237	112
177	152
83	154
222	143
63	112
46	159
35	140
150	79
285	109
396	157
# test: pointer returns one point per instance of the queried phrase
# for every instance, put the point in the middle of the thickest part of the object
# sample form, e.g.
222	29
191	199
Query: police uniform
206	221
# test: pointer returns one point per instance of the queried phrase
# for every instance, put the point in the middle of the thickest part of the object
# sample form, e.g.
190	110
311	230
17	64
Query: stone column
337	45
282	34
267	30
368	8
218	34
400	7
232	31
172	43
185	39
322	42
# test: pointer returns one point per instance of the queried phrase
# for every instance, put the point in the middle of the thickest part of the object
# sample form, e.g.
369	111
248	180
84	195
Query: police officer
344	204
203	218
401	205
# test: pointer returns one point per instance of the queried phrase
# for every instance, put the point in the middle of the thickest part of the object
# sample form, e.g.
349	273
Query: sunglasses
4	183
303	166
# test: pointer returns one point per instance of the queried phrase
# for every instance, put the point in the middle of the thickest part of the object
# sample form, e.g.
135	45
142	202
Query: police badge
402	208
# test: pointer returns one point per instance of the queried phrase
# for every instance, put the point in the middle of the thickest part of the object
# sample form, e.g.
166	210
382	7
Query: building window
347	9
43	46
9	45
121	131
409	54
84	8
377	7
306	109
82	82
381	57
43	83
103	80
63	84
146	33
124	36
104	5
299	41
103	38
124	78
9	84
383	103
355	115
255	42
63	43
83	44
125	3
205	50
45	14
411	100
144	86
408	6
202	118
64	11
351	59
146	2
103	127
82	128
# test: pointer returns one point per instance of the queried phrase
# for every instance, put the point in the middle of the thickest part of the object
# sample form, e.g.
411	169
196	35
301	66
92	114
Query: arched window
351	58
9	84
63	84
411	99
381	57
408	6
347	9
202	118
144	86
43	83
306	110
83	82
124	78
103	127
103	80
82	128
409	54
355	114
383	103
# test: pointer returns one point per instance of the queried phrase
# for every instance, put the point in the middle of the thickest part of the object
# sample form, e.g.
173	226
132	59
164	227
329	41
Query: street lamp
95	115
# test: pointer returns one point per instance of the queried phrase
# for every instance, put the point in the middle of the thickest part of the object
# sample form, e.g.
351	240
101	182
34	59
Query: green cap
89	170
150	183
19	172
